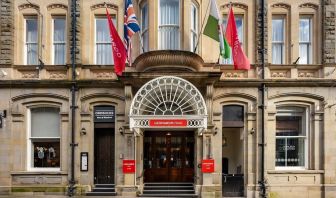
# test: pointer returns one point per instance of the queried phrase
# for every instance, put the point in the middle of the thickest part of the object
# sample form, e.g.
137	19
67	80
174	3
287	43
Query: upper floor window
31	38
144	27
278	40
59	41
305	40
44	138
193	26
169	24
240	29
291	137
103	42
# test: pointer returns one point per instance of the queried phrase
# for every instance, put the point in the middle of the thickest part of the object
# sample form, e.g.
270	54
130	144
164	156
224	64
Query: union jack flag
131	26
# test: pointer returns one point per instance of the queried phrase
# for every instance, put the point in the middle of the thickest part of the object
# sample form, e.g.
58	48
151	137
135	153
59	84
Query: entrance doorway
104	156
169	156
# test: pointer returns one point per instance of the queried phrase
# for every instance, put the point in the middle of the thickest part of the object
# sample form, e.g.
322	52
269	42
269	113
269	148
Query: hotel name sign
104	114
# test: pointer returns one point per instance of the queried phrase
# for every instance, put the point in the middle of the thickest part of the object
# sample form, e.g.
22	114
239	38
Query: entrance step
168	190
102	190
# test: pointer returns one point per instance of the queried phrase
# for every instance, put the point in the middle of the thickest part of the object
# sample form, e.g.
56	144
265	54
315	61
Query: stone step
103	190
101	194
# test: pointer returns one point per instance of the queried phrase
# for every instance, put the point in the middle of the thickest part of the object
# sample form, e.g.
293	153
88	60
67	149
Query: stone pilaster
329	29
6	32
259	37
78	33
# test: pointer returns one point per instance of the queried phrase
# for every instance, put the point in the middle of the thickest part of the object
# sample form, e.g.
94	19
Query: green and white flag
213	29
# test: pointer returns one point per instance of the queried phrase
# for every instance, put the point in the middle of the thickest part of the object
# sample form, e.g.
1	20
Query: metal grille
167	96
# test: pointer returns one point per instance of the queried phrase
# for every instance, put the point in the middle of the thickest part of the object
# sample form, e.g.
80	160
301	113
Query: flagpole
200	32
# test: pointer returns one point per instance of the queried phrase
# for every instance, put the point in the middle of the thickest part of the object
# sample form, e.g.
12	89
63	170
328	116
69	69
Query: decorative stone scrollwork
104	75
102	5
281	5
306	74
235	5
58	75
29	5
53	6
29	74
279	74
309	5
234	74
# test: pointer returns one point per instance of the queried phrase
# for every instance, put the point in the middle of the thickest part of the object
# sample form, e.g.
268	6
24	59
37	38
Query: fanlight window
168	96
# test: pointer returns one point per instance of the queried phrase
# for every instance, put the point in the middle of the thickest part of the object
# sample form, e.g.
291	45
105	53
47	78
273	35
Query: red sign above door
208	166
128	166
168	123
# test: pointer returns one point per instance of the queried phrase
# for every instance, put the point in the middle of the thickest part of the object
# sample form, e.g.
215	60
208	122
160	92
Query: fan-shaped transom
168	96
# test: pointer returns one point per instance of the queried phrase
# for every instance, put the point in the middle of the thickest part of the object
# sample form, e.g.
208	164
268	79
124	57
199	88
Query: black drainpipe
73	106
262	181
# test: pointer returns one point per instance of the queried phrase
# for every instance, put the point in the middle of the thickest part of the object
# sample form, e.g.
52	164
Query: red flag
239	59
118	48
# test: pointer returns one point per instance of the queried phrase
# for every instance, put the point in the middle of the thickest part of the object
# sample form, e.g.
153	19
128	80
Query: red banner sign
208	166
128	166
168	123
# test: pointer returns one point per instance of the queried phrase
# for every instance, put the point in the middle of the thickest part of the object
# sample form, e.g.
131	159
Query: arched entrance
167	111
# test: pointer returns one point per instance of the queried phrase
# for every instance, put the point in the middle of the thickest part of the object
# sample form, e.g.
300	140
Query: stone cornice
309	5
281	5
168	60
102	5
53	6
235	5
29	5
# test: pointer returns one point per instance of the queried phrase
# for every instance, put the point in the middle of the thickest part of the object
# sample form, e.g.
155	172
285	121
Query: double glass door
169	157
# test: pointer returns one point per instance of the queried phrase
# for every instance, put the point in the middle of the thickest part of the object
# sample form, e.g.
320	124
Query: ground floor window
44	139
291	137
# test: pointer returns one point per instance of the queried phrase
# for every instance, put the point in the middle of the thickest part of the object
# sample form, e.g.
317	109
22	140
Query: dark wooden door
169	157
104	156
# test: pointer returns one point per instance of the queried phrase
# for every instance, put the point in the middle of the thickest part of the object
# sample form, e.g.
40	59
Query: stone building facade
173	108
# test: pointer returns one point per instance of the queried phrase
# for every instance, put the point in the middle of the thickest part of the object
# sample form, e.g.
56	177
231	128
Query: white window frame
29	146
146	30
291	111
52	38
25	56
309	43
193	32
169	25
95	35
281	43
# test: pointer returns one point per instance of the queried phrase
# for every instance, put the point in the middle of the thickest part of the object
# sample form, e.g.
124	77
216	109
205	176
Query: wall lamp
121	130
215	131
3	114
252	131
83	131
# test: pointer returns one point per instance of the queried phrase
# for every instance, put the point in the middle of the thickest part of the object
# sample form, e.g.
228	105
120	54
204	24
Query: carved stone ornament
53	6
58	75
279	74
281	5
102	5
235	5
234	74
306	74
309	5
104	75
29	74
29	5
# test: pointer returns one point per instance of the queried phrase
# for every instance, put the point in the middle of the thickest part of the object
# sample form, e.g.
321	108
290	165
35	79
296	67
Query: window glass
278	41
193	27
233	116
144	27
169	24
305	41
103	42
32	41
45	137
290	138
59	41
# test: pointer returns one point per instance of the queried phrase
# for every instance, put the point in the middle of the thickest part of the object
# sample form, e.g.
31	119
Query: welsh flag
214	30
240	60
